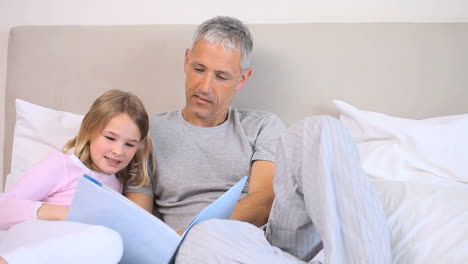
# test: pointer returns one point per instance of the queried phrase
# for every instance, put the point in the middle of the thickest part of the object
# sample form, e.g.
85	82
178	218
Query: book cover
146	238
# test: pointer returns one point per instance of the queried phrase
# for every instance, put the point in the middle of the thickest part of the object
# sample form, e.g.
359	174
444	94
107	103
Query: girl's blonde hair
107	106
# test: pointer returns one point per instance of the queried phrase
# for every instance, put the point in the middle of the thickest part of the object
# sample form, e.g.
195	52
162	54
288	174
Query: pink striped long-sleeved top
51	181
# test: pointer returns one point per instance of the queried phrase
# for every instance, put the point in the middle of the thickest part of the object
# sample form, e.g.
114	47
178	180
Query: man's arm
145	201
255	207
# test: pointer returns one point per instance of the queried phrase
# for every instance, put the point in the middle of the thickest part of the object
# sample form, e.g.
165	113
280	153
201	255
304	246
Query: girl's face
114	148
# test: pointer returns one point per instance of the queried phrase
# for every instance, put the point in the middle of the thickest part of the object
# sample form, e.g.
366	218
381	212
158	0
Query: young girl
112	146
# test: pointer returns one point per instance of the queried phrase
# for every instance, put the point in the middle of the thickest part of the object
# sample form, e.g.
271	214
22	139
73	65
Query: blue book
146	238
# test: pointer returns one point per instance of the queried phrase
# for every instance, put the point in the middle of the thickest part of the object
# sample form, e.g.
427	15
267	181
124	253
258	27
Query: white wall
54	12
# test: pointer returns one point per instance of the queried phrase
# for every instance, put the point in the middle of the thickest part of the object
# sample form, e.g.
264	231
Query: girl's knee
106	242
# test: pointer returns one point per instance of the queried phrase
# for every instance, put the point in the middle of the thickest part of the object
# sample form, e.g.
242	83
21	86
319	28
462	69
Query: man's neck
196	120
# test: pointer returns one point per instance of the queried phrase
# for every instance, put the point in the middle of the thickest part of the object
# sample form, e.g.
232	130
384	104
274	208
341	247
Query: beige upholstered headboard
413	70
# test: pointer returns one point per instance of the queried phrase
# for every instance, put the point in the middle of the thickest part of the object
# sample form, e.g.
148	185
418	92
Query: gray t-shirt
196	165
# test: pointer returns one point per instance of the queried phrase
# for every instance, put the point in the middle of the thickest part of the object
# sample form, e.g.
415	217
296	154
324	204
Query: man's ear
243	79
186	59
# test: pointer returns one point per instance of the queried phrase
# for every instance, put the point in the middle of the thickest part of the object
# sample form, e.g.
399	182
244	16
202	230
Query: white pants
50	242
322	199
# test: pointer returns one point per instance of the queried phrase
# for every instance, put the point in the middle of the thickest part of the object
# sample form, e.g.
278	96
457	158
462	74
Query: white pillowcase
38	131
420	170
428	223
432	150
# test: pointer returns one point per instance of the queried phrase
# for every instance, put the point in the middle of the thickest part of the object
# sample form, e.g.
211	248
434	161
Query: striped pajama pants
323	199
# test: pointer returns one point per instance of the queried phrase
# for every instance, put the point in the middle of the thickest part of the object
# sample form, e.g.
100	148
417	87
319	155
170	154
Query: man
202	150
321	196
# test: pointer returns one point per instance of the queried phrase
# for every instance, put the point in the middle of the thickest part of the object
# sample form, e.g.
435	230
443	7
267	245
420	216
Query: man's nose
205	83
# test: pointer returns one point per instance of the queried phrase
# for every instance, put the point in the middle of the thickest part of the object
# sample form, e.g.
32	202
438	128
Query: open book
146	238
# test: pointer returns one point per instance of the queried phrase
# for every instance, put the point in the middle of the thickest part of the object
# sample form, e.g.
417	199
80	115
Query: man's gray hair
228	32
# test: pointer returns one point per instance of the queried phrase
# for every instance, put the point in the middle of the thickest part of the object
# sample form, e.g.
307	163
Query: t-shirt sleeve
22	201
132	187
267	138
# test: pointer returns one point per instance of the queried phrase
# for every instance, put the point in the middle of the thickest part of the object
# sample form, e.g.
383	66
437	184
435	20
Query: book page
146	238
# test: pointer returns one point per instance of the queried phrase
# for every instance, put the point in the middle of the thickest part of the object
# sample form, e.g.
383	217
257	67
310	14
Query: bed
400	88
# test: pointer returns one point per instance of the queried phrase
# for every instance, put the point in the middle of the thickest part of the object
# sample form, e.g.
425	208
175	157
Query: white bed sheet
428	223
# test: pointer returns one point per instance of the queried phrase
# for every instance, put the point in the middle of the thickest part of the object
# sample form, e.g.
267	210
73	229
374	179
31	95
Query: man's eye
198	69
109	138
222	77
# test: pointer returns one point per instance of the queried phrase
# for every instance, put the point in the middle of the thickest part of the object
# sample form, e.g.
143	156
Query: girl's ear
142	144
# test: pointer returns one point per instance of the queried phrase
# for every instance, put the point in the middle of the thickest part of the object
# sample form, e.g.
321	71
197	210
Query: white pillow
428	223
419	169
433	150
38	131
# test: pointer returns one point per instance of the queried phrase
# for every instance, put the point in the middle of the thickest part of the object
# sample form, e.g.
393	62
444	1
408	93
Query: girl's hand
52	212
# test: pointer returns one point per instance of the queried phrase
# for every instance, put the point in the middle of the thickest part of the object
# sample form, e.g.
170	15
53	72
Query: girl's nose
117	149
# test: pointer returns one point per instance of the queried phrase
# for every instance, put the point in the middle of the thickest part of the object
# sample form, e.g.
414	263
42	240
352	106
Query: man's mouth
201	99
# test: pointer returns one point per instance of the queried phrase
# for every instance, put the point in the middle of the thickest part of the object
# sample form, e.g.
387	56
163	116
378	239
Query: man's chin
198	110
202	115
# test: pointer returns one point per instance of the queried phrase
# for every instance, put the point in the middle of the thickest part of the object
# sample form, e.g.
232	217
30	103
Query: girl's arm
23	200
52	212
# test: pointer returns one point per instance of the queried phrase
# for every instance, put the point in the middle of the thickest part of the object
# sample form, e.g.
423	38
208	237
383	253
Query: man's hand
52	212
255	207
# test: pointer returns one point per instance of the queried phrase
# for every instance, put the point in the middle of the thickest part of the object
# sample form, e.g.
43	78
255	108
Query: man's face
213	76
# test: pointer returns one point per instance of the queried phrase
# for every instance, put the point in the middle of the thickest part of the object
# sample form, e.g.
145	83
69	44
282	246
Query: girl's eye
130	145
109	138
